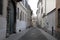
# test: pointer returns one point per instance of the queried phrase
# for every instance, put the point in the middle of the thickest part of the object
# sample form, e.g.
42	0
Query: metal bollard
52	30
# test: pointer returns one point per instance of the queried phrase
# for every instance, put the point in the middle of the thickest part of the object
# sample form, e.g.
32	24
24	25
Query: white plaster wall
21	25
3	22
2	28
50	5
51	20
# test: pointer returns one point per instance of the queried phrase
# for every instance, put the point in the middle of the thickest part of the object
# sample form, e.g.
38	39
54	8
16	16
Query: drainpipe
52	30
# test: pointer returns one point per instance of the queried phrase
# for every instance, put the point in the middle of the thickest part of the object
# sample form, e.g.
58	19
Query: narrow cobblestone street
32	33
35	34
29	19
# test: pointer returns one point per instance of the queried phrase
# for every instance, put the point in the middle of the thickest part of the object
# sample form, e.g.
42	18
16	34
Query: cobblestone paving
33	34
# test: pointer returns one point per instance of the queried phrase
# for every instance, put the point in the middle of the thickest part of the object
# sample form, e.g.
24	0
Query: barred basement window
1	6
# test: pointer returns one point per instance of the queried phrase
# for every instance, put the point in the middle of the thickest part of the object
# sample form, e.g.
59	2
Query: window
1	5
18	10
20	15
17	13
23	15
41	10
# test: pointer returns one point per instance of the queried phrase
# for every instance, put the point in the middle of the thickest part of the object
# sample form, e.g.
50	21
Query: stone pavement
37	34
17	35
48	36
32	34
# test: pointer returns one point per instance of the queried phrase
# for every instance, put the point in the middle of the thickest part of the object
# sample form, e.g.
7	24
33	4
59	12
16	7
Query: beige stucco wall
57	7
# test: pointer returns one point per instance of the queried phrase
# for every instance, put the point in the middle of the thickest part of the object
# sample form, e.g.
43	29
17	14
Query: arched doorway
11	18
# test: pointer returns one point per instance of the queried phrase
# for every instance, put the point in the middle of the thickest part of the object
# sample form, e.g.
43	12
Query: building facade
7	16
41	12
50	13
24	14
3	22
47	13
57	19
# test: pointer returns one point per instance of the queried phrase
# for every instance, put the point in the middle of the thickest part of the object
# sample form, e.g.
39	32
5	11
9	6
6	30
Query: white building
23	16
46	13
50	6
